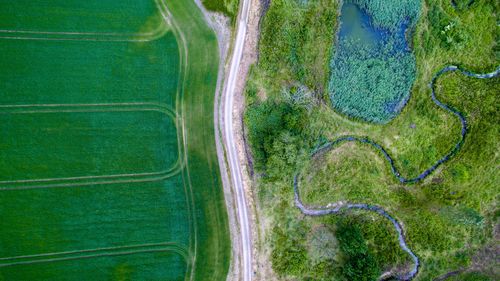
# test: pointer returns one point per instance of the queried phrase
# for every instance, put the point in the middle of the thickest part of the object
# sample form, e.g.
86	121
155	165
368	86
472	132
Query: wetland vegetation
450	217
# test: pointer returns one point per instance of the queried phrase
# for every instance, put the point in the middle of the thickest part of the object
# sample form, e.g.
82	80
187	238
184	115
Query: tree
360	263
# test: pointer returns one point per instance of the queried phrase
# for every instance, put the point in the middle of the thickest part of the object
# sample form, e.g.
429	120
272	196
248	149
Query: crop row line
98	107
94	253
151	35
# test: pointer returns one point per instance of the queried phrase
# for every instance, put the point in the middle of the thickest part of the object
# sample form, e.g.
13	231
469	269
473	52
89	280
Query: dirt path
229	105
232	106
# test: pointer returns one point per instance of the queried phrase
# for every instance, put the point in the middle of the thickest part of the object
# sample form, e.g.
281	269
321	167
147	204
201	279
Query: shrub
289	255
449	31
274	130
360	264
323	245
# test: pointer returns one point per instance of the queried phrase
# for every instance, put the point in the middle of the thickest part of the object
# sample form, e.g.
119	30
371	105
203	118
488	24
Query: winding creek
337	207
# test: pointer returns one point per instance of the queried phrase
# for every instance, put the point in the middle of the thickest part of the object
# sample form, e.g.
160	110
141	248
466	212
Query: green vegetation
275	131
96	180
203	172
292	254
462	4
471	276
92	16
373	69
390	14
227	7
360	263
447	218
296	43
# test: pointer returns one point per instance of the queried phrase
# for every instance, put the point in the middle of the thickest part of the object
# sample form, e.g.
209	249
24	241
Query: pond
372	68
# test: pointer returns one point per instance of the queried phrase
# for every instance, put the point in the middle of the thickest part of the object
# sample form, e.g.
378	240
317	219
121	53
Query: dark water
356	24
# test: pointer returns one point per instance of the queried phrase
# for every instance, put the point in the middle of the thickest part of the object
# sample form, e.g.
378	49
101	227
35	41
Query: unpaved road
229	140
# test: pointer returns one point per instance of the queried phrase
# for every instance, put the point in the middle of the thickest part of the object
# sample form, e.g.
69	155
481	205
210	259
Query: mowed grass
98	181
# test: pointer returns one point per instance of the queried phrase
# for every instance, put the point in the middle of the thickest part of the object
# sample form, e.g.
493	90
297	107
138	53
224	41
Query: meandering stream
341	206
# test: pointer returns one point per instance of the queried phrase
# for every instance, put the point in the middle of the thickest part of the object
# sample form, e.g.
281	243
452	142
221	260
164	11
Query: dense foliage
274	132
289	256
360	264
462	4
294	48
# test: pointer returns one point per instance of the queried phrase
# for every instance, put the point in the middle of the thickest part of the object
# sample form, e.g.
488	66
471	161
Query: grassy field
108	167
450	217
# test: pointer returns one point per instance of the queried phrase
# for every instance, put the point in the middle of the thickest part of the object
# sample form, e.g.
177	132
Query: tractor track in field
340	206
95	253
156	33
188	253
94	179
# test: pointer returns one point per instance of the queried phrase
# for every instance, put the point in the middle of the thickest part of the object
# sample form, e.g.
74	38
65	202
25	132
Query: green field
451	218
108	169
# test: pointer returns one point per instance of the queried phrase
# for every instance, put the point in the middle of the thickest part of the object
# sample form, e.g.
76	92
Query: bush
274	130
462	4
360	264
449	31
289	255
323	245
